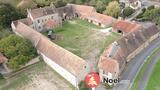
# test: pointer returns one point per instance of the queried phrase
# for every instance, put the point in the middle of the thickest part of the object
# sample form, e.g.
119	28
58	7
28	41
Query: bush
141	14
82	86
18	50
127	11
151	7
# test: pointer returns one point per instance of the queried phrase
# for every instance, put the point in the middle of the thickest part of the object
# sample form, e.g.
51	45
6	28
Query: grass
142	69
20	80
2	80
82	38
16	84
154	80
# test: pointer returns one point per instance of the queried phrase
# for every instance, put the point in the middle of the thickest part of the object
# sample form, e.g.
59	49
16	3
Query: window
39	27
38	21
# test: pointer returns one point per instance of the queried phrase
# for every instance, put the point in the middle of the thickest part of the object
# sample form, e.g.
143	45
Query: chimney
113	49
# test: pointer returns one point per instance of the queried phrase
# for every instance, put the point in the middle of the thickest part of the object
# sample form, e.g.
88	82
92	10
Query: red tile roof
50	24
101	18
125	26
108	65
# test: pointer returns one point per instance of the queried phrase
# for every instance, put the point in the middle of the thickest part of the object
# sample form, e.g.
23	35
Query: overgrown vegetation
18	50
150	14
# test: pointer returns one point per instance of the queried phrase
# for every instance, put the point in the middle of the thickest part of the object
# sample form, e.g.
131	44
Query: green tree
8	14
100	7
152	15
18	50
112	9
127	11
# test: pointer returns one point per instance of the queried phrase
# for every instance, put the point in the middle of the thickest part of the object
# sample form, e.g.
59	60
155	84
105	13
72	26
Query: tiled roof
62	57
130	42
2	58
39	12
108	65
125	26
26	21
50	24
104	19
83	9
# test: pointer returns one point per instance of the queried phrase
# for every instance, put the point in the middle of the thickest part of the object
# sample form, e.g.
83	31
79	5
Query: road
134	65
148	72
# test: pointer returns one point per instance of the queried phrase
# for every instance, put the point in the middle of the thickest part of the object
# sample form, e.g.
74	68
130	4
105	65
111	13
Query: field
37	77
154	80
83	39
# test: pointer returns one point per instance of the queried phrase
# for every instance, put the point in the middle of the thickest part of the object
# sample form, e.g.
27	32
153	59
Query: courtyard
82	38
36	77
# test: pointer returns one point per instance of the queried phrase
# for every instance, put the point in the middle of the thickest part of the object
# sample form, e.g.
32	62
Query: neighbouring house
134	4
89	13
108	68
124	27
127	47
69	66
3	67
50	17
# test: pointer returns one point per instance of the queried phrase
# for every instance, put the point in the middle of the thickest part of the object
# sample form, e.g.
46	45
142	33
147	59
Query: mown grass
81	37
142	69
154	80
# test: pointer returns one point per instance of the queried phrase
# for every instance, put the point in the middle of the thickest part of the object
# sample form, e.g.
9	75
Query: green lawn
82	38
142	69
154	80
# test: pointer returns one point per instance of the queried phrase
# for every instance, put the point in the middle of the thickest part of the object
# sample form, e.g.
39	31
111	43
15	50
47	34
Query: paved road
134	65
147	72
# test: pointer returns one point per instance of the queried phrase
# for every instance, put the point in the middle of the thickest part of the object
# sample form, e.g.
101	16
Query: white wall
64	73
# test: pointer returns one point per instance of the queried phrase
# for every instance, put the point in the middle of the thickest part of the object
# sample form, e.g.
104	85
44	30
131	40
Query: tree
18	50
100	7
112	9
127	11
152	15
8	14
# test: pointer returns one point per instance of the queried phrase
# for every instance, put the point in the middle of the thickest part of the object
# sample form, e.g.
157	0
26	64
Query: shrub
18	50
127	11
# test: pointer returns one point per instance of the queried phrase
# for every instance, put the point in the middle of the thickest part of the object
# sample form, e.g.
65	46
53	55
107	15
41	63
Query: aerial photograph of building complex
79	44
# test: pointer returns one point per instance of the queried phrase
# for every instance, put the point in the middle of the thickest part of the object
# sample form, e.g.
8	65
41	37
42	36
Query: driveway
134	65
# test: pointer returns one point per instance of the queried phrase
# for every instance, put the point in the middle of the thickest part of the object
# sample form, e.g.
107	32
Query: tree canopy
112	9
18	50
8	14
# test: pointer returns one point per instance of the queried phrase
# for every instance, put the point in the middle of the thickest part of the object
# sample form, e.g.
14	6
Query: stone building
67	64
126	48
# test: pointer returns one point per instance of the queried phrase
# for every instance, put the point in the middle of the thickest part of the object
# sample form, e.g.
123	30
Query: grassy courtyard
154	80
83	39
